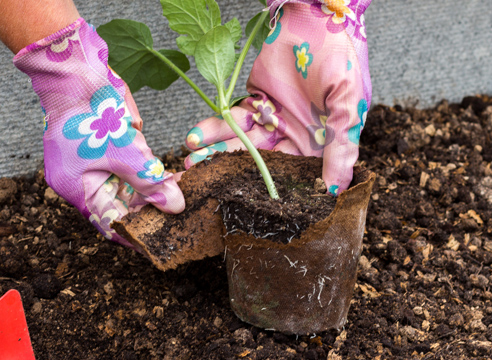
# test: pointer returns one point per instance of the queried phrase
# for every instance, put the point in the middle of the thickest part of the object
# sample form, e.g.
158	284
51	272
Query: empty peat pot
306	285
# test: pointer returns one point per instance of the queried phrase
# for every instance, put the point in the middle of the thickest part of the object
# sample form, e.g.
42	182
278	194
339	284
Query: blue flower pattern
275	32
333	190
154	171
45	120
303	59
195	137
208	151
354	132
109	122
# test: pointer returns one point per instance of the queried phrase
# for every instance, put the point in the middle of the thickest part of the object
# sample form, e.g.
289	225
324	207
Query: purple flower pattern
341	15
267	114
61	49
108	122
113	77
102	224
320	134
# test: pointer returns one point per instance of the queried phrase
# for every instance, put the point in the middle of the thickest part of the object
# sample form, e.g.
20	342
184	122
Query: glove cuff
68	67
49	40
358	6
64	55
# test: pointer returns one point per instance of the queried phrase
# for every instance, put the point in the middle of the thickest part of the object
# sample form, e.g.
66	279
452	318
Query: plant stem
224	100
186	78
225	111
242	56
267	177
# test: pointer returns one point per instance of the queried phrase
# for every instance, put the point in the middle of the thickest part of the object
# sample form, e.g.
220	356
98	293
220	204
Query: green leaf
186	45
263	2
191	18
262	33
236	32
215	56
130	47
235	101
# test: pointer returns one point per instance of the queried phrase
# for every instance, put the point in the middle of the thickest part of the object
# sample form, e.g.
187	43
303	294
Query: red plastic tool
15	343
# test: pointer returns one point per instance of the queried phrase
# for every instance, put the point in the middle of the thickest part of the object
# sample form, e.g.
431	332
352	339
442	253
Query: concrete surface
420	52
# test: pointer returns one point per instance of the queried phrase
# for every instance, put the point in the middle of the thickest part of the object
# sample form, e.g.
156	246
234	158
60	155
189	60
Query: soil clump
247	206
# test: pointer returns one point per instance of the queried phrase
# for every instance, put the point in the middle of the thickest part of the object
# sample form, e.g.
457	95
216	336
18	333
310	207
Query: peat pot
306	285
297	285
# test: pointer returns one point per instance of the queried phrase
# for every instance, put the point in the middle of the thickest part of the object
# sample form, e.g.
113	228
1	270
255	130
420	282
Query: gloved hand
311	89
95	155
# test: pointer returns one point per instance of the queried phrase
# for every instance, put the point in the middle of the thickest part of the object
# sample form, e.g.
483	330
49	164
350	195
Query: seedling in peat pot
295	284
213	45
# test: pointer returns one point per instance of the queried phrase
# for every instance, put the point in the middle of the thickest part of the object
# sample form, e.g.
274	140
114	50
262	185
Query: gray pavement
420	52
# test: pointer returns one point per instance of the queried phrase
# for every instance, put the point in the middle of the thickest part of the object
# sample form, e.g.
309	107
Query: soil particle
8	188
423	289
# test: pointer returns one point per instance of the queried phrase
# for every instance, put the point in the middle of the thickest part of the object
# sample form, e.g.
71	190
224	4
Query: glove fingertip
203	154
336	188
169	199
177	176
188	162
194	138
171	205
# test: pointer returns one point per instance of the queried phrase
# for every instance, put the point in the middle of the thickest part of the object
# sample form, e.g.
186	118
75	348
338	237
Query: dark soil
423	289
247	206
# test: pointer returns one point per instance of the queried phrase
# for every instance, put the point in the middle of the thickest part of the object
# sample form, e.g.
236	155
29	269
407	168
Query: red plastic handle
15	342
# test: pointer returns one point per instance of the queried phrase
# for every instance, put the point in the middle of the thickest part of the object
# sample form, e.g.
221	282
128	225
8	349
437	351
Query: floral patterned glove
311	89
95	155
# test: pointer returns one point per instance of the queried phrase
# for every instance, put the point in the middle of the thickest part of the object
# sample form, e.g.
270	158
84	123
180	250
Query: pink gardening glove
95	155
311	89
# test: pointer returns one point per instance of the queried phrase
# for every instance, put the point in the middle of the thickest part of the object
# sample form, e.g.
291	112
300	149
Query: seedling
213	45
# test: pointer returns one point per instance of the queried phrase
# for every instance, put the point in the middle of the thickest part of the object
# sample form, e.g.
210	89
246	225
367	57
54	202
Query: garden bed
423	288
